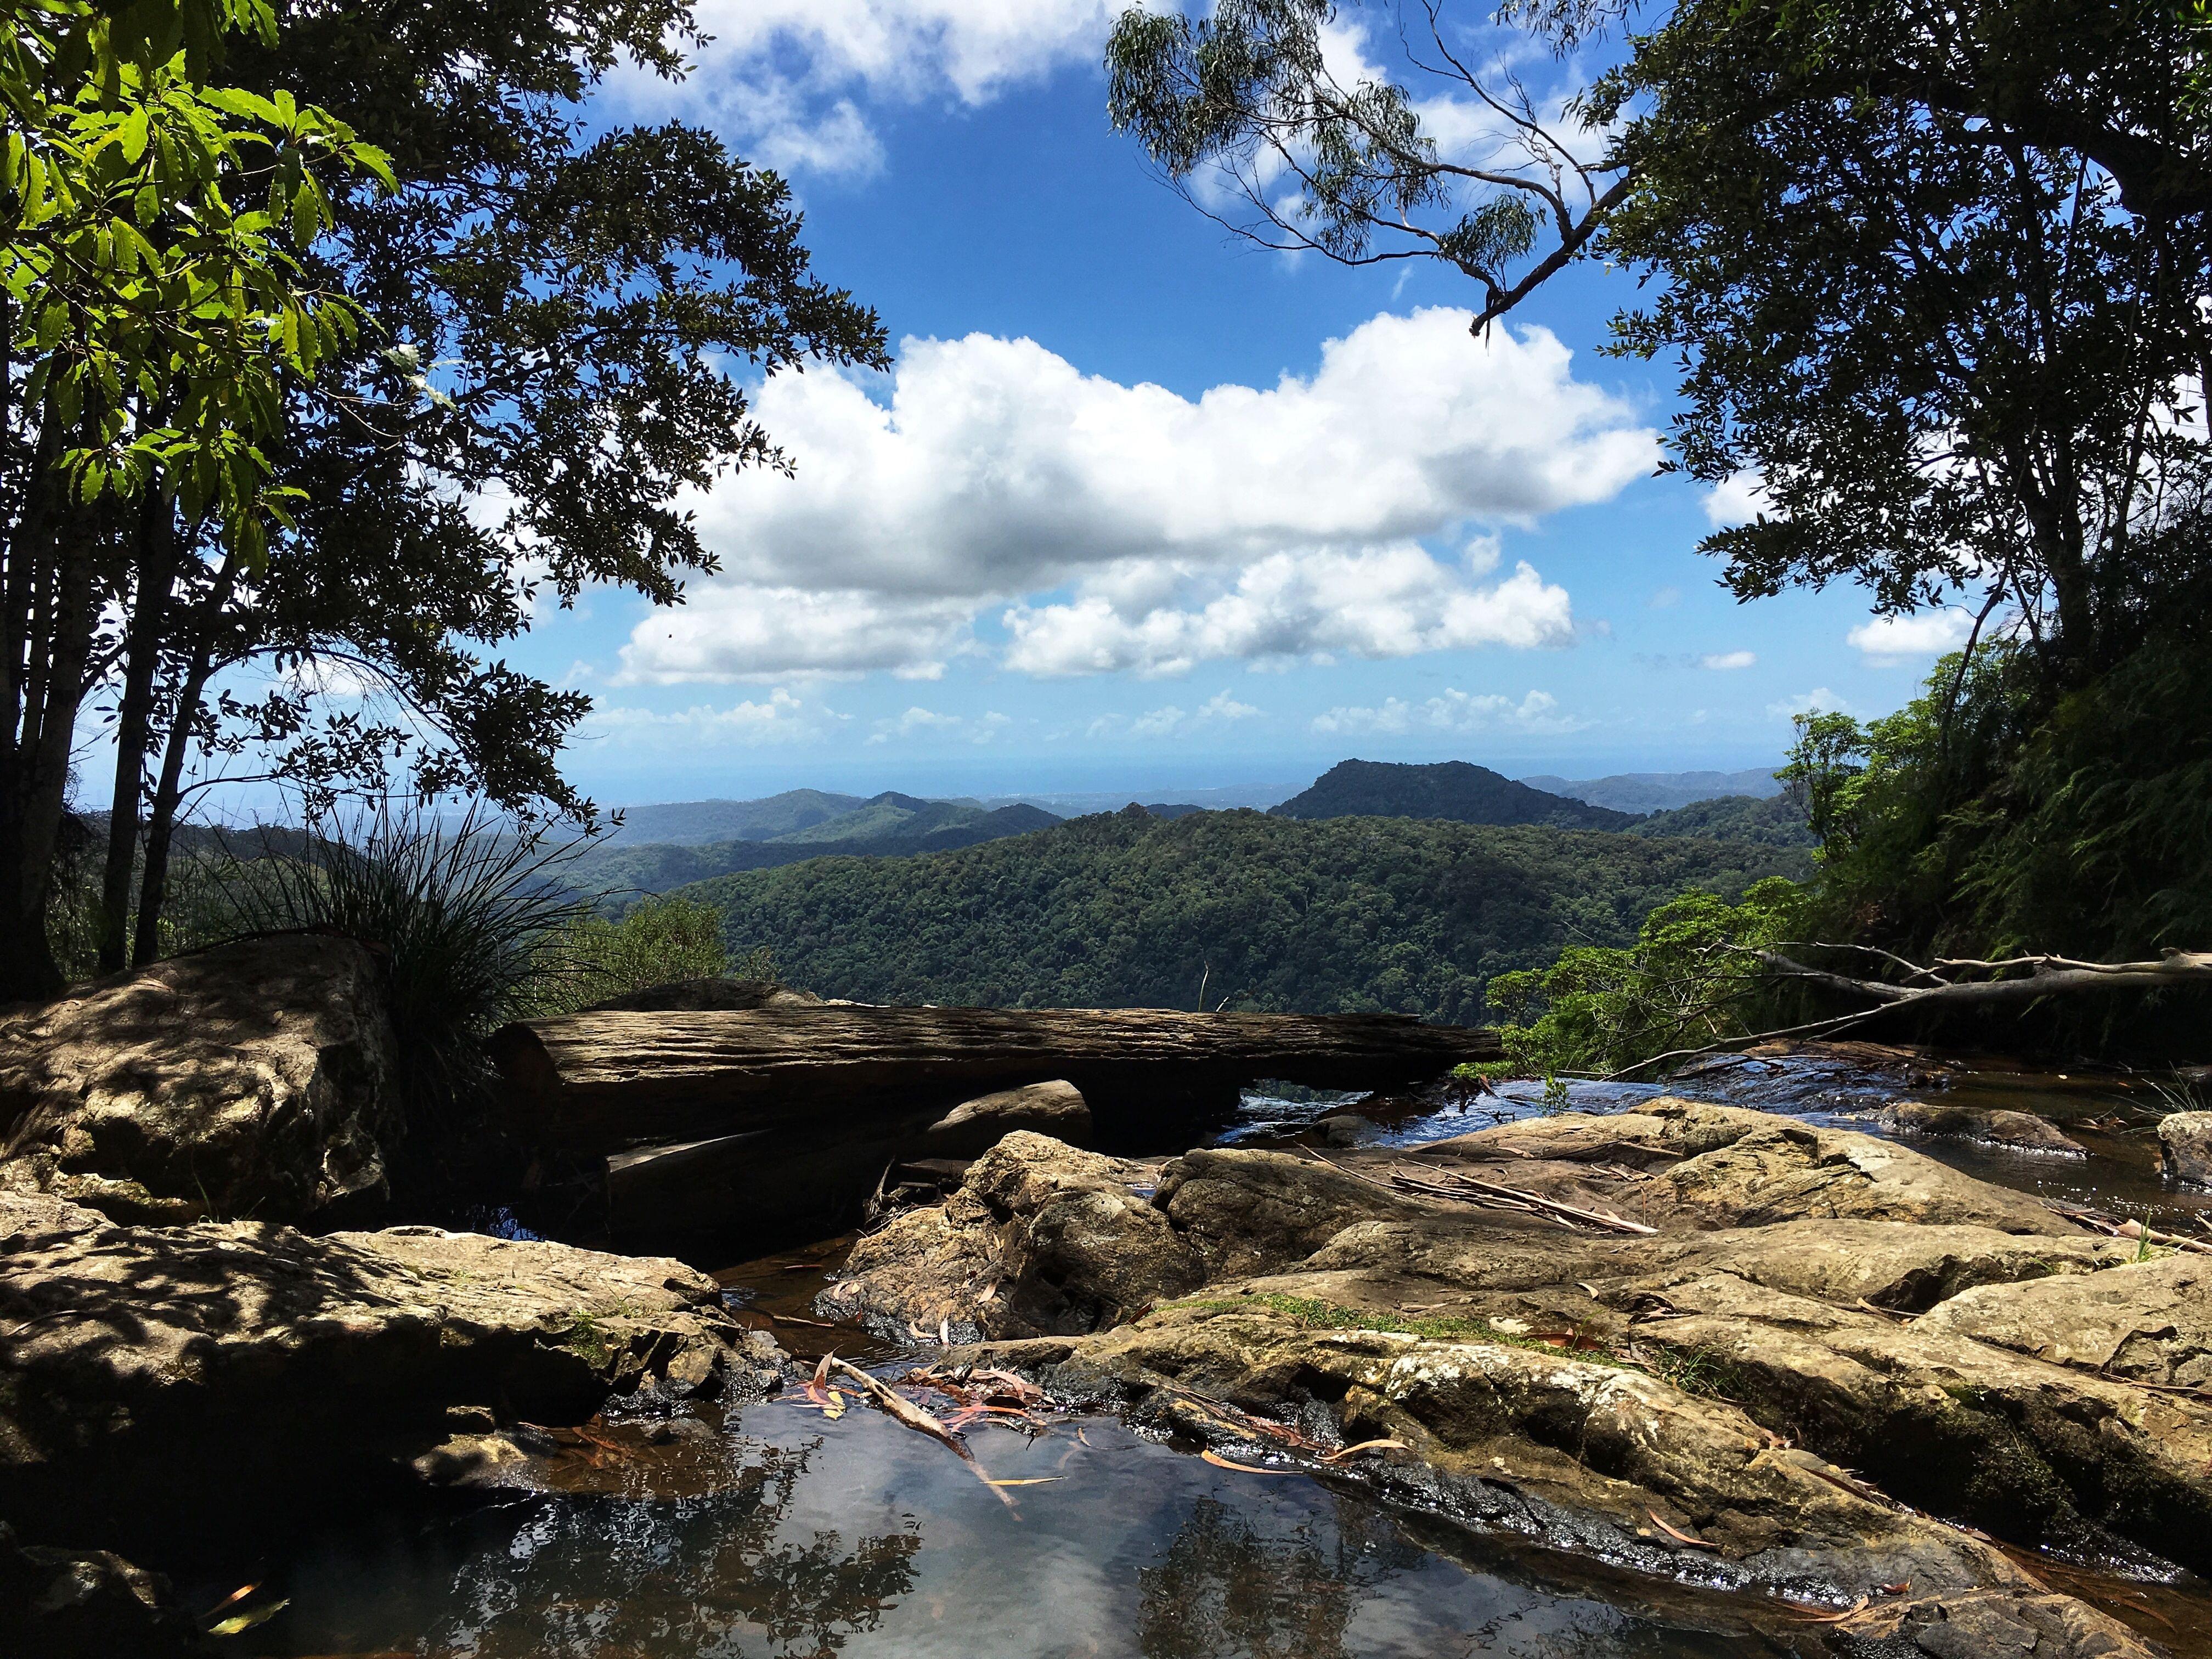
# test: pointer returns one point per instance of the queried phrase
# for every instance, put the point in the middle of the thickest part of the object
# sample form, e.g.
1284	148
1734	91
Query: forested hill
1449	789
888	826
1130	910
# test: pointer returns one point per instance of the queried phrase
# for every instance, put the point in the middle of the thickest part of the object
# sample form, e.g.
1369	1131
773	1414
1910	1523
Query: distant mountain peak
1458	791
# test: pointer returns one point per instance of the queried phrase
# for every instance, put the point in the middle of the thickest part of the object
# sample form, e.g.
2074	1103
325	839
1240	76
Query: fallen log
596	1082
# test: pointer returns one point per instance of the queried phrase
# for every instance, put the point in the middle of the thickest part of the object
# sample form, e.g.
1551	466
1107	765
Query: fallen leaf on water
1083	1437
1678	1534
1221	1462
238	1594
1034	1480
239	1623
1364	1445
835	1408
822	1368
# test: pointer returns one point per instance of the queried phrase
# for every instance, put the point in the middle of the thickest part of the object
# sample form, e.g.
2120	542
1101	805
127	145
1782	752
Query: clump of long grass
463	913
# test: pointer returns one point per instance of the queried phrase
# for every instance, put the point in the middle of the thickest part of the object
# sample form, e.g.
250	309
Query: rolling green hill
888	826
1126	909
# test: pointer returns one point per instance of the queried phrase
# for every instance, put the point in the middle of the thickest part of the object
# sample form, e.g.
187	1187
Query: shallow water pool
780	1534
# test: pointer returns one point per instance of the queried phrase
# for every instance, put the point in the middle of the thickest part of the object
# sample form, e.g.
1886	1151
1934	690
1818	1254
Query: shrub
462	913
661	940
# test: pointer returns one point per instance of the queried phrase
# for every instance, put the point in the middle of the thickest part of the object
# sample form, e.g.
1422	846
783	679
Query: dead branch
2042	977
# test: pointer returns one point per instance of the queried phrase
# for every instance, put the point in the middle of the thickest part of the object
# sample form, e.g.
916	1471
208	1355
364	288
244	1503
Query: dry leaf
1221	1462
822	1368
1034	1480
238	1623
1678	1534
238	1594
1364	1445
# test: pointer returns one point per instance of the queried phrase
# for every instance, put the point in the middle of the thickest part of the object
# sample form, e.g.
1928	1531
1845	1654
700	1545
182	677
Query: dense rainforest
1239	908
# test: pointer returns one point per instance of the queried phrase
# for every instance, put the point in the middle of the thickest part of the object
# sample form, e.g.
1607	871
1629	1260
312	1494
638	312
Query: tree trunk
39	783
168	791
26	968
157	542
594	1083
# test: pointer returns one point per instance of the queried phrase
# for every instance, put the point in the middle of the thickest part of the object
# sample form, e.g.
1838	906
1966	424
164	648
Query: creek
775	1532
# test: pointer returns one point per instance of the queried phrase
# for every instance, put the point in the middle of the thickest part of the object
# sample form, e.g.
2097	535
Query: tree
1932	275
1315	156
1931	272
151	319
557	320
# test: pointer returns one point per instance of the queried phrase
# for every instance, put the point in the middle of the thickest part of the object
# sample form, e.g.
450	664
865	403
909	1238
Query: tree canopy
502	358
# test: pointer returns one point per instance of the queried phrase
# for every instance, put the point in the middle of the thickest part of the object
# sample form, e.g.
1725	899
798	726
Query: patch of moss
587	1337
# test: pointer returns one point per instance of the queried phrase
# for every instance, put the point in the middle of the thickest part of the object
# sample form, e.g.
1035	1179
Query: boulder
251	1080
2185	1146
2022	1132
85	1604
1055	1109
1041	1238
147	1370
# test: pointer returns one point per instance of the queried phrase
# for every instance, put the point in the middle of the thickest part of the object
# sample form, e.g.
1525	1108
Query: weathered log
592	1084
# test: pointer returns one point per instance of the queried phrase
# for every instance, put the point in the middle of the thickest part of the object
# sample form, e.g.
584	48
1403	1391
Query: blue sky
1142	506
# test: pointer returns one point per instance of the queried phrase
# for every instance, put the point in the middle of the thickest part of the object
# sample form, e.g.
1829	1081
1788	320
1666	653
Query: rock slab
253	1079
147	1370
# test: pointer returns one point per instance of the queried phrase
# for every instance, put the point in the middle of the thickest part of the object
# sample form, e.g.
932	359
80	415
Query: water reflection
1225	1589
717	1577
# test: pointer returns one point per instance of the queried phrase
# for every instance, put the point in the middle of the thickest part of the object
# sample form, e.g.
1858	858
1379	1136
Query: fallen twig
2116	1227
899	1407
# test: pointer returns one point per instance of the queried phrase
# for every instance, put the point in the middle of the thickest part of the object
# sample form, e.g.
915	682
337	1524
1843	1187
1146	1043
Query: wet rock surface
254	1078
145	1370
2185	1140
1801	1359
2021	1131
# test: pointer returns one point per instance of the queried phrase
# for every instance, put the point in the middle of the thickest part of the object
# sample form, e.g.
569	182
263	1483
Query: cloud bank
1115	527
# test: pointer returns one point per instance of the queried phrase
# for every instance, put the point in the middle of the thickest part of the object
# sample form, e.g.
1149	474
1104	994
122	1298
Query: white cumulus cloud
1391	603
978	728
1735	501
1722	661
1818	700
787	79
1245	522
780	717
1888	641
1455	711
1173	721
